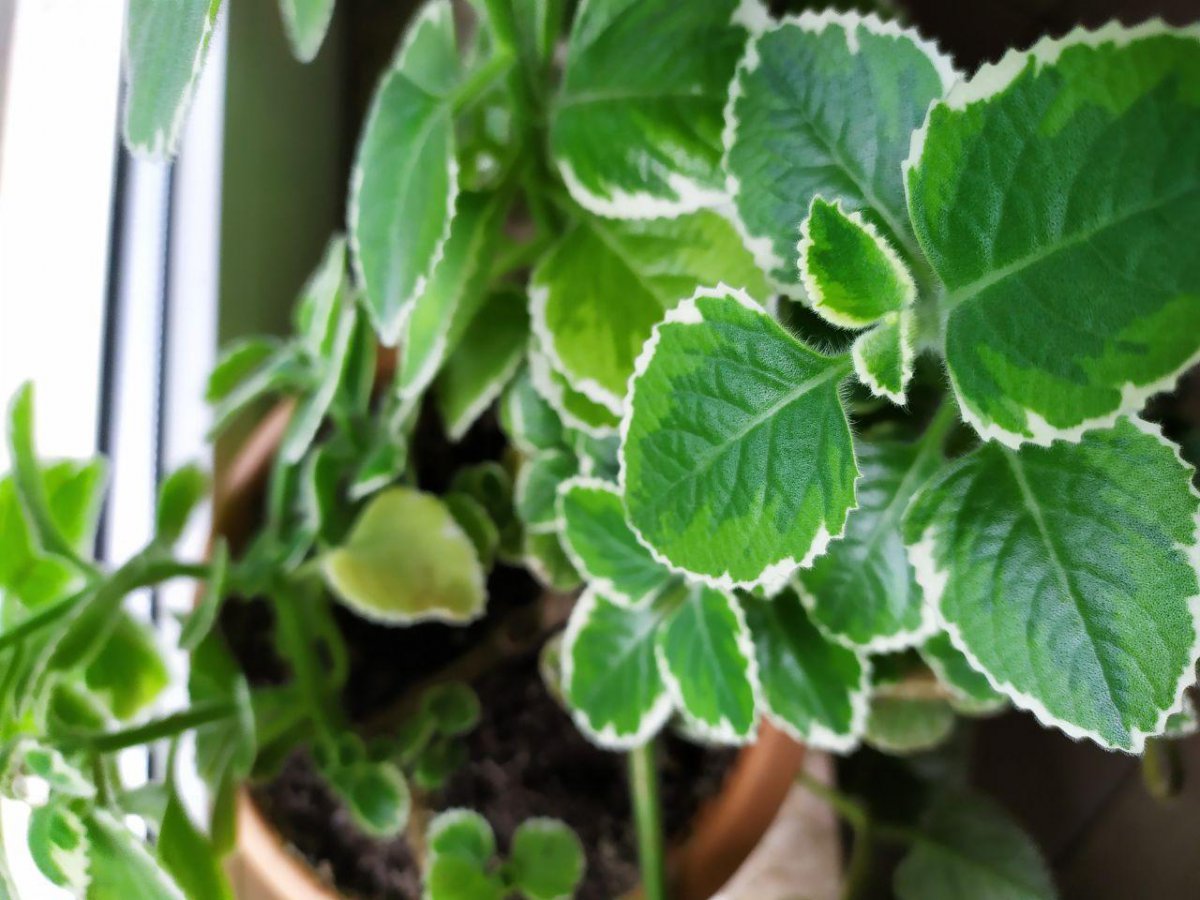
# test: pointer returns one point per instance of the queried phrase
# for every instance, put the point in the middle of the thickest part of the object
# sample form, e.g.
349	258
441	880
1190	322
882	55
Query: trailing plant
679	257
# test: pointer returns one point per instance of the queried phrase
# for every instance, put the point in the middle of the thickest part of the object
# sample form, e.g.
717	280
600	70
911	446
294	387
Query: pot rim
724	832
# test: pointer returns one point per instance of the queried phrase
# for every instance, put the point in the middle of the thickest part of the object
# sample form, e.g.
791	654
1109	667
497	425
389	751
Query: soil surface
527	759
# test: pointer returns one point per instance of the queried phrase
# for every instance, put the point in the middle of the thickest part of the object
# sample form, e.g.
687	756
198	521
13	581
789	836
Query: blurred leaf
179	495
129	671
547	860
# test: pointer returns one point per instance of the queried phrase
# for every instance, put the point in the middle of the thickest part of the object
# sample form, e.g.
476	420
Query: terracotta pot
726	829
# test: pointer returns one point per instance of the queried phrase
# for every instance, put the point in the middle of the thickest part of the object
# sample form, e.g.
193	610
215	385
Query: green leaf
306	22
407	560
186	853
475	522
971	691
528	420
574	409
597	294
461	844
824	104
611	679
26	758
852	276
165	46
454	293
863	592
120	866
284	370
706	657
544	556
905	725
128	672
737	462
321	298
77	508
537	488
1067	574
453	706
310	413
236	363
883	357
969	847
225	750
404	182
814	689
1072	292
73	492
602	546
437	762
598	457
636	141
547	861
376	795
59	846
384	463
488	355
491	487
178	496
463	833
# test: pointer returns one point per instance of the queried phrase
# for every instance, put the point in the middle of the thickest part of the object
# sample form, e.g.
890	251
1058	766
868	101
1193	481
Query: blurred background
119	277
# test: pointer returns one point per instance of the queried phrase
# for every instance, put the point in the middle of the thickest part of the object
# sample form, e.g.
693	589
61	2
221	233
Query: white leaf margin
891	642
438	14
722	731
541	373
933	582
604	586
990	80
775	575
812	285
606	735
488	392
819	735
689	195
762	246
908	356
166	141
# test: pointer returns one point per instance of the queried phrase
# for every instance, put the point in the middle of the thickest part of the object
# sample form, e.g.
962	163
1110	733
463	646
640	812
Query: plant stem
940	425
156	729
643	784
295	640
504	33
482	79
40	620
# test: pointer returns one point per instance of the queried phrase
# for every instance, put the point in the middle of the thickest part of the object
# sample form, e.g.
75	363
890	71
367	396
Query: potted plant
676	247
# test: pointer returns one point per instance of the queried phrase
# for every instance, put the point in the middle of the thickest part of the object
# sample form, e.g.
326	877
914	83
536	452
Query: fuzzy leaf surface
824	104
737	457
812	687
645	140
601	289
863	591
1055	196
1068	575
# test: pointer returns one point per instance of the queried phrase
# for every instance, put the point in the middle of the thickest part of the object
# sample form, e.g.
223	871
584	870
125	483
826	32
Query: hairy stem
647	814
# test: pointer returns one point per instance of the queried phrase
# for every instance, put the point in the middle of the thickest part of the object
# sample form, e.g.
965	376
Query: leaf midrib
1035	511
838	366
973	289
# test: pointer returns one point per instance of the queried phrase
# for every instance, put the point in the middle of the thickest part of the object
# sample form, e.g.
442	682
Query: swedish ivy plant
822	368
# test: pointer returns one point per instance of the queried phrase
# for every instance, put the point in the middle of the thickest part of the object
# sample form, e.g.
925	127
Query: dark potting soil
527	759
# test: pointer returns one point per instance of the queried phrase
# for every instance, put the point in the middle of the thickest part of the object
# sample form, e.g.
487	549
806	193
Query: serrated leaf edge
812	286
990	80
541	374
760	246
933	585
604	586
883	643
774	576
722	731
607	736
389	332
690	195
907	359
